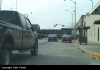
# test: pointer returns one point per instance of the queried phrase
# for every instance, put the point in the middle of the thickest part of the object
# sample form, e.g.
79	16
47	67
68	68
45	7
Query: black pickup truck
16	33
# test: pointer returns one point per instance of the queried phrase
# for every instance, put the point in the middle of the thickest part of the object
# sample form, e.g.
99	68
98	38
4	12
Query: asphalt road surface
53	53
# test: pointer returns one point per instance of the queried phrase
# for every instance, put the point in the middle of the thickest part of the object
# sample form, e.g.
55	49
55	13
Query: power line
49	21
84	6
50	11
6	6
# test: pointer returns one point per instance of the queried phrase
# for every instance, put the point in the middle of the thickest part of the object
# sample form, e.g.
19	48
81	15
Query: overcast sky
46	13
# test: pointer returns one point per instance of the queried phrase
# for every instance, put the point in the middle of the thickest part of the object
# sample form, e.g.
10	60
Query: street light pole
75	20
0	4
92	3
75	23
75	12
16	5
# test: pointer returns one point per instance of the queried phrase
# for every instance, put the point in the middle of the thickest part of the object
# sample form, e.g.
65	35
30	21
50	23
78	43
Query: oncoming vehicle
52	37
67	38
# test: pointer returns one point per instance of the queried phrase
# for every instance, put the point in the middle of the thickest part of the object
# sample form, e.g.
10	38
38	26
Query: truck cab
16	33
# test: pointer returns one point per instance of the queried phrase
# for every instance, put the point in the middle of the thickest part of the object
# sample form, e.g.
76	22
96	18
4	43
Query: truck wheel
6	55
35	51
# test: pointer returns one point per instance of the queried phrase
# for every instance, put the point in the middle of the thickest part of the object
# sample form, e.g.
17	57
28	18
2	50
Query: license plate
66	38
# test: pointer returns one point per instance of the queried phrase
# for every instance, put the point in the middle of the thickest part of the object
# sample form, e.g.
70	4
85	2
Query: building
35	26
80	23
93	34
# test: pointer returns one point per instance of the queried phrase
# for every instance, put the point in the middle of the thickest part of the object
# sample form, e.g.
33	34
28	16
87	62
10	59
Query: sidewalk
92	49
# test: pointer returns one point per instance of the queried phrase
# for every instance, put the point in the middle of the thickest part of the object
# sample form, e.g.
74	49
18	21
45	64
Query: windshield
49	32
52	35
66	36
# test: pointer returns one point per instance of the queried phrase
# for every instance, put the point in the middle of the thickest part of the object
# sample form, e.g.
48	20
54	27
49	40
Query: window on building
98	33
94	32
91	32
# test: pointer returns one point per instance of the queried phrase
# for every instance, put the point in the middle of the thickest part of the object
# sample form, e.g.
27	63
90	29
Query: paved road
53	53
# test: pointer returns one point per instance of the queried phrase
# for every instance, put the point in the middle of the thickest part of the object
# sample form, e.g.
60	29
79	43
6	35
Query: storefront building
93	34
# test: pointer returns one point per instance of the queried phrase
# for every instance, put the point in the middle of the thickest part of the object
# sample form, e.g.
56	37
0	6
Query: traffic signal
54	25
62	25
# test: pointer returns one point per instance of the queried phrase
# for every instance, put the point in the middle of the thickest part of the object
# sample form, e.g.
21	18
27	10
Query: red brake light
63	37
48	37
70	37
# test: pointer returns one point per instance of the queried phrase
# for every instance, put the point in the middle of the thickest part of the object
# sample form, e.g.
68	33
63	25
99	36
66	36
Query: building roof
96	9
87	14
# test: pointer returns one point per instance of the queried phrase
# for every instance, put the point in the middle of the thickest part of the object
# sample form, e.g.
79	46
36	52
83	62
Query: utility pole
92	3
75	23
72	20
0	4
75	12
75	20
16	5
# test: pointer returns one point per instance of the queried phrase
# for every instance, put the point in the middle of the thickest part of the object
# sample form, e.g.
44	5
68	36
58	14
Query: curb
92	55
83	50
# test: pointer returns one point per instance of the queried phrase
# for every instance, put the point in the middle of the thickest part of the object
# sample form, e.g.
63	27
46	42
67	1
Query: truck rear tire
6	55
35	51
